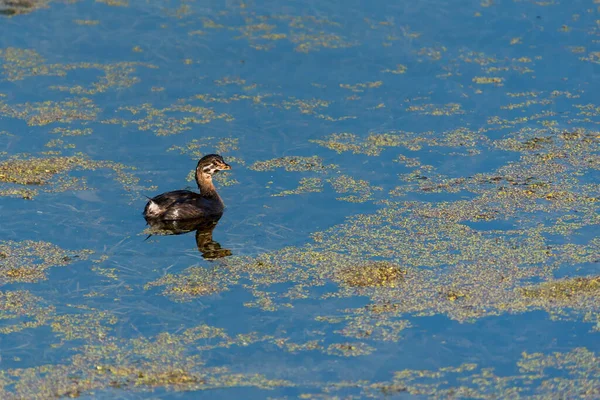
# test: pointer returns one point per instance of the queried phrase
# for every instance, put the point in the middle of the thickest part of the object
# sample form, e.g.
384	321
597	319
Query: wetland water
412	209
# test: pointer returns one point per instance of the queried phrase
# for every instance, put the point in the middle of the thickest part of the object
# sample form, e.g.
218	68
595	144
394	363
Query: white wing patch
153	208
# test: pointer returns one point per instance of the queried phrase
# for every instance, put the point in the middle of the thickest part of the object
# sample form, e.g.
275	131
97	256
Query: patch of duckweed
349	349
19	64
28	261
400	69
373	322
435	110
198	282
50	173
48	112
22	193
18	7
91	327
487	80
35	171
491	65
72	132
251	94
346	184
293	163
224	179
374	274
116	76
165	121
306	185
167	361
537	377
198	148
565	289
361	87
374	143
21	310
263	32
59	143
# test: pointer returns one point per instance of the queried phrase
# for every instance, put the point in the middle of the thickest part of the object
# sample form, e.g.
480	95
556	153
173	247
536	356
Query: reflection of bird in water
12	7
204	228
183	211
183	204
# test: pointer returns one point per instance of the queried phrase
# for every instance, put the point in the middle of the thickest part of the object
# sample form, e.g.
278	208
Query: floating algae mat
412	210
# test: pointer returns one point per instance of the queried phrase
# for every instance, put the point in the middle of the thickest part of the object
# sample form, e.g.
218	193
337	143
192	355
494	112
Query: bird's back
181	204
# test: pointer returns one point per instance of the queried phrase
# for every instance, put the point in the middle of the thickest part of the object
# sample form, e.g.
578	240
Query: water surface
412	210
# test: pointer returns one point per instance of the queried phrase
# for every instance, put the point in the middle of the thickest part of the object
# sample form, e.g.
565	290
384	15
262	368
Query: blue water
466	157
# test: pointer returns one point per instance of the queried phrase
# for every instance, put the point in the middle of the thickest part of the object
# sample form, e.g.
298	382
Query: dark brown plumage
184	204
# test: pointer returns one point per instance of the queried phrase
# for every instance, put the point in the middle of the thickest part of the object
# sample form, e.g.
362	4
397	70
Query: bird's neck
206	187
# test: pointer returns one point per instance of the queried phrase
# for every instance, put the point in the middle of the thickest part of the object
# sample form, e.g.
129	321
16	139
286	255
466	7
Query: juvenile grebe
183	204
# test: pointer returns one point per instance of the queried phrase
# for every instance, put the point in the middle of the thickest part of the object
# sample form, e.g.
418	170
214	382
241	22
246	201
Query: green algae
306	185
48	112
293	163
376	274
264	32
18	7
564	290
51	174
166	121
349	349
198	148
437	110
20	310
139	365
416	255
19	64
199	282
362	190
28	261
72	132
91	327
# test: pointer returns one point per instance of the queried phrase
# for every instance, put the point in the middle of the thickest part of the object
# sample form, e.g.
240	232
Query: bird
185	204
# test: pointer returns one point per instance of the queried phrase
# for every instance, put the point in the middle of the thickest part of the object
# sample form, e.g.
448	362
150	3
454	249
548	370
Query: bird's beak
226	167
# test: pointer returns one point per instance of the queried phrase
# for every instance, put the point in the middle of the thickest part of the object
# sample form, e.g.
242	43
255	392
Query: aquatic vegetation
28	261
199	282
293	163
400	69
376	274
198	148
18	7
347	184
444	185
374	143
432	109
48	112
51	174
162	121
20	310
138	365
306	185
566	289
19	64
263	32
360	87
